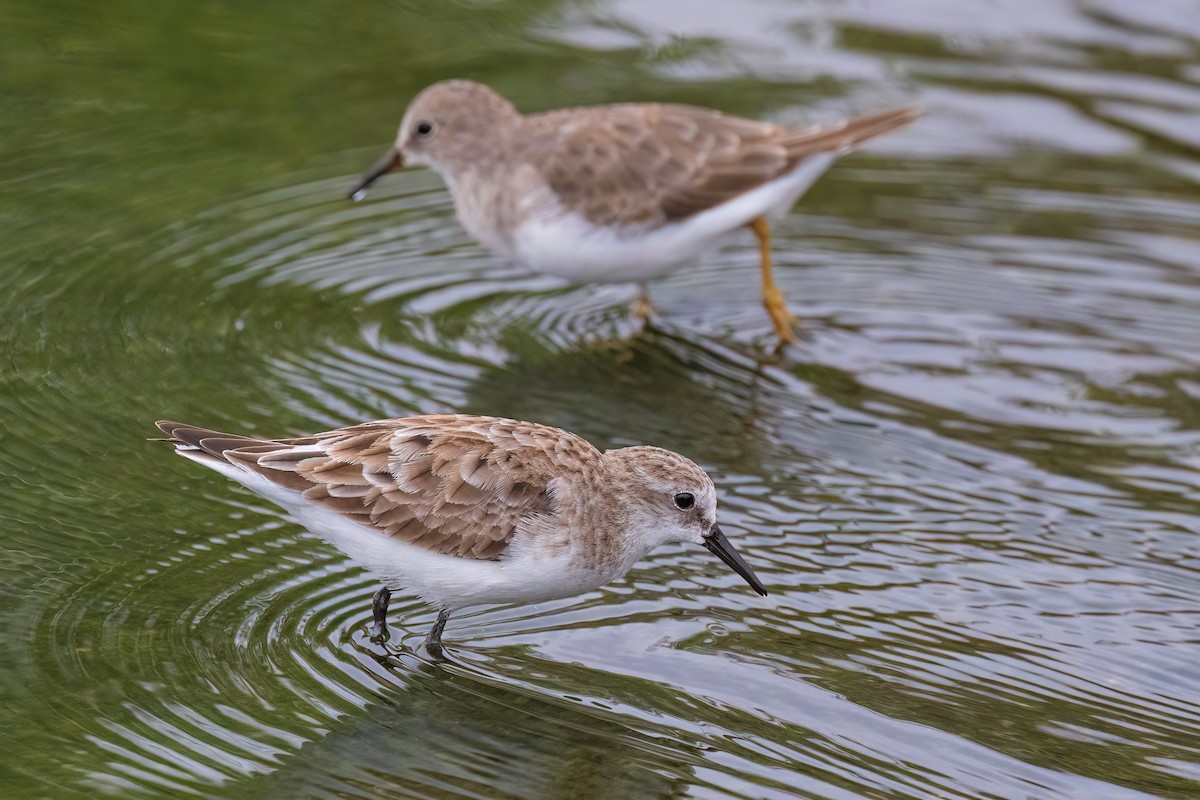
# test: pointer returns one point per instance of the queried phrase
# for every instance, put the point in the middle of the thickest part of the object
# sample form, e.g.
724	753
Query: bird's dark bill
389	162
717	543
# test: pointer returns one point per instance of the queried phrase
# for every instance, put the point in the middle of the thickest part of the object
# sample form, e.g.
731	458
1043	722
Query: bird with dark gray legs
465	511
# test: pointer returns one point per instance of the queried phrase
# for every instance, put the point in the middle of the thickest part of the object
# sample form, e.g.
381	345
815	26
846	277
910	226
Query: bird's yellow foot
783	320
642	308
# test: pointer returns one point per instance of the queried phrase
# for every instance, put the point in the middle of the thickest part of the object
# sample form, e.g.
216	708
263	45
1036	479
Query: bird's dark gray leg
433	642
379	607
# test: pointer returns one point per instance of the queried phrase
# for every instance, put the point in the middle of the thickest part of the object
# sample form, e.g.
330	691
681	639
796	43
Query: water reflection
440	729
972	489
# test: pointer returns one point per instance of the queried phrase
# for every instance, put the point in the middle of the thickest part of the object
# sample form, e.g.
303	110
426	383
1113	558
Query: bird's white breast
558	242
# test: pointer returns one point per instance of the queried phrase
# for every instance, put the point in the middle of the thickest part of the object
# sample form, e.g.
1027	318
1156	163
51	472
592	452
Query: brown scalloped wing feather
450	484
650	164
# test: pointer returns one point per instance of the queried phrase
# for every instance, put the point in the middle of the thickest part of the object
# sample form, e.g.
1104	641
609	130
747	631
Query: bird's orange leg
642	308
771	295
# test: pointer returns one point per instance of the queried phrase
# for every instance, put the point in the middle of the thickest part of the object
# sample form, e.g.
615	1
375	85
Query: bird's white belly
443	580
568	246
440	580
565	244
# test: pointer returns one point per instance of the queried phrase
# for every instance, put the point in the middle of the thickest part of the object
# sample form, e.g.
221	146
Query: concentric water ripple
958	576
971	489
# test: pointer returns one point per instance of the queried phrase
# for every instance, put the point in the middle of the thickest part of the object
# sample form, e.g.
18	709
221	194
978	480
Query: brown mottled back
451	484
646	164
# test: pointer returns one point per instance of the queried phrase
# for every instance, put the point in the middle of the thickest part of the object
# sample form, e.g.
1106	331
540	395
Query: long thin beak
389	162
717	543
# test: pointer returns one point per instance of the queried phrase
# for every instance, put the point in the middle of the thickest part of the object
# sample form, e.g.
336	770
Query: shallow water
972	490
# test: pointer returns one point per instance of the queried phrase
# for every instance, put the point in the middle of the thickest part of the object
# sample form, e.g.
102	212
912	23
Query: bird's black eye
685	500
424	128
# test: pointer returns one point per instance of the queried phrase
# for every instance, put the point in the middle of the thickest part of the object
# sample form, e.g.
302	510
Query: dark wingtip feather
864	128
208	440
167	427
853	132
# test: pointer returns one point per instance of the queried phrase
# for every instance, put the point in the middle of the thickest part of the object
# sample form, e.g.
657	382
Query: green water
972	490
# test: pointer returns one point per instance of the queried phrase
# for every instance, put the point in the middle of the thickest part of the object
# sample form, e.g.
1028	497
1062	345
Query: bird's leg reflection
379	607
433	642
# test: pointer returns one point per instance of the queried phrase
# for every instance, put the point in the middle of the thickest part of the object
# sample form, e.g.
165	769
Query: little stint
465	511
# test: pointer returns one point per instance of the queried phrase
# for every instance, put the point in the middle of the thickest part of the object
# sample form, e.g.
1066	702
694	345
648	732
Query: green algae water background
973	490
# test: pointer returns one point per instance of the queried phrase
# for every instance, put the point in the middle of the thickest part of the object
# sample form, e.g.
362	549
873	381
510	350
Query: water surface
972	490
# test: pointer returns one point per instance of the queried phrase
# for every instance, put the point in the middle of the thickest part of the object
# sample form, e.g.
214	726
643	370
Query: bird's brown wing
450	484
649	164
